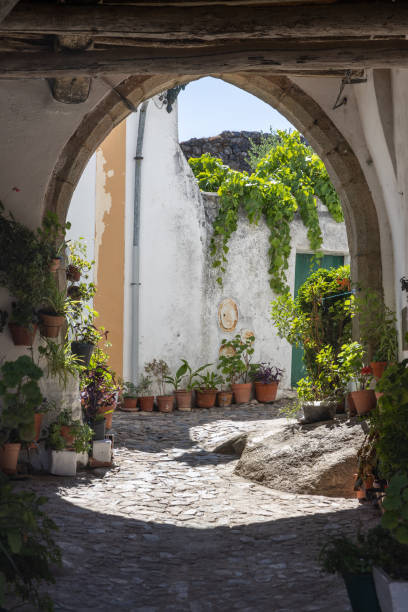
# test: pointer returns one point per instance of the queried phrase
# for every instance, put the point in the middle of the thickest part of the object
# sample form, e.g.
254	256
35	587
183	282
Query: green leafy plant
286	180
27	549
237	365
210	381
390	420
395	503
78	258
176	380
160	370
130	389
144	387
56	300
81	433
61	363
51	235
377	325
21	396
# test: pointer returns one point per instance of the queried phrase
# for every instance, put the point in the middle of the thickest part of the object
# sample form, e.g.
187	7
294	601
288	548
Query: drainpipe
135	283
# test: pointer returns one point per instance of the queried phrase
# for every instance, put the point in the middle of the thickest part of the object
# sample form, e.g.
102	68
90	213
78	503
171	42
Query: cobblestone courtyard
172	528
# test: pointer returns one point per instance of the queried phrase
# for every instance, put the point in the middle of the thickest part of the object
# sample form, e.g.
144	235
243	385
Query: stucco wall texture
178	296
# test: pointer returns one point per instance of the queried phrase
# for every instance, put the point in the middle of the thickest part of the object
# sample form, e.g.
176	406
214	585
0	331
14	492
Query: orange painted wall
110	240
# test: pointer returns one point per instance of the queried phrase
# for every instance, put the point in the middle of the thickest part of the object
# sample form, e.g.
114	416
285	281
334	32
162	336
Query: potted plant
145	397
352	368
207	389
266	378
130	392
354	561
51	236
52	317
159	369
236	365
20	395
79	265
23	324
86	337
184	396
61	363
66	438
378	331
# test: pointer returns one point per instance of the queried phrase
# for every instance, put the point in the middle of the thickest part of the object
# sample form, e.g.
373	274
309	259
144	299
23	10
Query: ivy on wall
288	179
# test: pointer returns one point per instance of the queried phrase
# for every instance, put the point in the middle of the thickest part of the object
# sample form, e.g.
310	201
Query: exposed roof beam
227	58
6	6
211	23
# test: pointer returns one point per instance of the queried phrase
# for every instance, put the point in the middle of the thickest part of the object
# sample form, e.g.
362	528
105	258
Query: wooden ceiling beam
230	58
211	23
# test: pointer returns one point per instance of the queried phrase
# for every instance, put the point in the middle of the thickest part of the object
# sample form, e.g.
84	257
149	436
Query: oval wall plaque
228	315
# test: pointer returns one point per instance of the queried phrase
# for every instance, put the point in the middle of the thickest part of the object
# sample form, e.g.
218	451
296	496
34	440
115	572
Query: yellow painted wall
110	240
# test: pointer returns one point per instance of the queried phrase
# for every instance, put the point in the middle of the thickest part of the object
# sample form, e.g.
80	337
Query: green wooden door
305	266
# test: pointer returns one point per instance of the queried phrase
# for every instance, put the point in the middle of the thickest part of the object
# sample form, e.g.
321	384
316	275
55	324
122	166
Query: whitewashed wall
179	296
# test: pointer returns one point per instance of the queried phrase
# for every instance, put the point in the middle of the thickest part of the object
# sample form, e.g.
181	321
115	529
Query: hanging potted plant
86	337
266	378
236	366
52	317
21	396
144	393
207	389
159	369
23	324
51	237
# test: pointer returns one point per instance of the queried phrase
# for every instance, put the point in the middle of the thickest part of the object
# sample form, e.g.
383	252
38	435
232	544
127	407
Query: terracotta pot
50	325
224	398
369	482
73	273
378	368
38	417
205	398
364	400
146	403
22	336
67	435
9	457
183	400
360	494
165	403
55	264
108	417
242	392
350	405
266	392
130	404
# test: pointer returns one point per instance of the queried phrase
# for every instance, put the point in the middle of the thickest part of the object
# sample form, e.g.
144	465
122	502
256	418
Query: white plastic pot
63	463
102	450
392	594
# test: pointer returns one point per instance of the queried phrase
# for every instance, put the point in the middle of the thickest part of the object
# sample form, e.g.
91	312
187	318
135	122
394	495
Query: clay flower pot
378	368
66	433
130	404
9	457
364	400
183	400
110	408
205	398
165	403
350	405
242	392
224	398
22	336
73	273
266	392
55	264
146	403
50	325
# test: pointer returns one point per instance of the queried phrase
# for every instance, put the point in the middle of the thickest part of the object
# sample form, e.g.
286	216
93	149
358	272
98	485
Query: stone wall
231	147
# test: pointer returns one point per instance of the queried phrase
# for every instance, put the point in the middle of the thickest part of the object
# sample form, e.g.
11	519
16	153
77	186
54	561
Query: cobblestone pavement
172	528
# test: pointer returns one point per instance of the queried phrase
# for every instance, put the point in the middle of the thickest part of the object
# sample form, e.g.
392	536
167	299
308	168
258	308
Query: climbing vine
288	179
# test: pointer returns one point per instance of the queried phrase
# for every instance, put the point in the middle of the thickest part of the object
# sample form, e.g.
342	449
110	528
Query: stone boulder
319	458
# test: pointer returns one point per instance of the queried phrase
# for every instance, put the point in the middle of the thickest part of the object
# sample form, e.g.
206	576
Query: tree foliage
288	179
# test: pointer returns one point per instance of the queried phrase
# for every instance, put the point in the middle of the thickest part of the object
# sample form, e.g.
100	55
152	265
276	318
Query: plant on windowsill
235	365
21	396
266	378
159	369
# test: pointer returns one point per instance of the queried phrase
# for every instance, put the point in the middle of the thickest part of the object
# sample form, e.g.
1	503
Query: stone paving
172	528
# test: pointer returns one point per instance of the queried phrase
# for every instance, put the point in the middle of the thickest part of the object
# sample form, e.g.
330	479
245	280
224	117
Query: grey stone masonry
231	147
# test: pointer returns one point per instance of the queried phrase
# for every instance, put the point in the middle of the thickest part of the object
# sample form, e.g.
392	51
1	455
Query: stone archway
285	96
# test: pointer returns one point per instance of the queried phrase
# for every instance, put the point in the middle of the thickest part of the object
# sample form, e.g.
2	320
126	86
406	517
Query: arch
286	97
